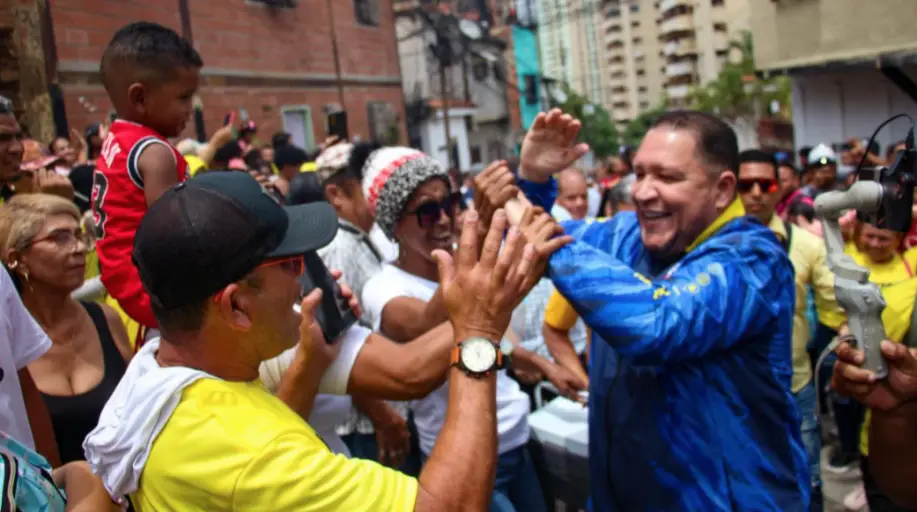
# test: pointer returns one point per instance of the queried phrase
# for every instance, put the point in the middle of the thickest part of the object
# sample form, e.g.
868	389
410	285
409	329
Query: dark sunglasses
767	186
429	213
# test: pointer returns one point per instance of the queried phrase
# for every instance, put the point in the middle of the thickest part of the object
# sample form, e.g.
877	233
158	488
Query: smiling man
690	303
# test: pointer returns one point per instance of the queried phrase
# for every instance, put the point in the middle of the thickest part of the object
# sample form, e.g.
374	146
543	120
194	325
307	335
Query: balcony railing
679	69
678	91
667	5
680	23
680	48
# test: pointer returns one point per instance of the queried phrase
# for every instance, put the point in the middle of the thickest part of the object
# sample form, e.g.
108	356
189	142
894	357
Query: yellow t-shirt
559	314
234	446
899	288
195	165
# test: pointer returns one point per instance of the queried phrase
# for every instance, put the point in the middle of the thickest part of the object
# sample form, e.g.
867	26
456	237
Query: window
634	7
380	119
719	27
475	155
716	3
297	121
367	12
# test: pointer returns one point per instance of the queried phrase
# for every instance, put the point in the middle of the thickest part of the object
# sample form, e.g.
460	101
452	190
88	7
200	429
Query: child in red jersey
150	74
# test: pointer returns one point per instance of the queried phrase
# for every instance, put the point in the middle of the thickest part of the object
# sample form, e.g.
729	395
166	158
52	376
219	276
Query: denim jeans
811	439
516	488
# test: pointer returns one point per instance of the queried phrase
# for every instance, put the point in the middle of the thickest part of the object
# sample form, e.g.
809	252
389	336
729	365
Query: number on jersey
99	189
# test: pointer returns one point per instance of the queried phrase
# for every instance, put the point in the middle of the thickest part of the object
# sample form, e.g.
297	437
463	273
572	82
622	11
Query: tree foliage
598	129
737	94
637	128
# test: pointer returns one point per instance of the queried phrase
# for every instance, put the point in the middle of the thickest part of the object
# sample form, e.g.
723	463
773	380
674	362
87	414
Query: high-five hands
550	146
481	292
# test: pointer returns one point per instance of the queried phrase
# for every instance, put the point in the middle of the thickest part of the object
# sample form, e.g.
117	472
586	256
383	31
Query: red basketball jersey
118	205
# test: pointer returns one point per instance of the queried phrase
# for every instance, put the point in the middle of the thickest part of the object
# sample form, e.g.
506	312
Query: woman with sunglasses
45	247
415	204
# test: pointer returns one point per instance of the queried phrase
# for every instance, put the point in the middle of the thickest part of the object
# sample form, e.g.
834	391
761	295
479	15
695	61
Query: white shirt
21	342
430	412
594	198
359	256
332	405
528	322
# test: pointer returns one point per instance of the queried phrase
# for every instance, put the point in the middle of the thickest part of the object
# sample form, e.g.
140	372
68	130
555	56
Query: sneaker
841	463
856	500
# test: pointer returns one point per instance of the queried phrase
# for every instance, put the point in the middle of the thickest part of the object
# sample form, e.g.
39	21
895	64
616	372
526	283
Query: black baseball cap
215	229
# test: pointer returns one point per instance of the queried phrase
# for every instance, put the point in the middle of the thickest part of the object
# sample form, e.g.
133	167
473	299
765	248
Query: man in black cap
190	425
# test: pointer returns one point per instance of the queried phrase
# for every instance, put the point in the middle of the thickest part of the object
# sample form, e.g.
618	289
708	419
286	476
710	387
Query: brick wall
255	57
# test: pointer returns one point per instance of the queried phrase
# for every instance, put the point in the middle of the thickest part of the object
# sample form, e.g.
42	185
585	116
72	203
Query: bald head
571	192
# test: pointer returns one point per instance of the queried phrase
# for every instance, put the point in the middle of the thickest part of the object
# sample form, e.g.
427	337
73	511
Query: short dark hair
143	49
186	319
289	155
354	170
305	188
717	144
280	139
227	152
760	156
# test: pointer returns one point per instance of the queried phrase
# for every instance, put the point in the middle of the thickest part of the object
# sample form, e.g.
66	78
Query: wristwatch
477	357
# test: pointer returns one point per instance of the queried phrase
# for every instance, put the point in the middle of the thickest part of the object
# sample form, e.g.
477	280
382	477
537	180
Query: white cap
822	154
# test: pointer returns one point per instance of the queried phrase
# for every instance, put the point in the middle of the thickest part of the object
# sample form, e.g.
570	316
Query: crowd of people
680	290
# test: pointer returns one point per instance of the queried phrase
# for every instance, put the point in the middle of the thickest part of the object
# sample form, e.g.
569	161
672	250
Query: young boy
150	74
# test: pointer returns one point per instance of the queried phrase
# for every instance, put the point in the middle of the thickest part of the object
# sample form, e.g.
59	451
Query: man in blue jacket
692	305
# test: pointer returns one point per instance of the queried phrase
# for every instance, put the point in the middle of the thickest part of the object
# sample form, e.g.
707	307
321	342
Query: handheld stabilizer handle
861	299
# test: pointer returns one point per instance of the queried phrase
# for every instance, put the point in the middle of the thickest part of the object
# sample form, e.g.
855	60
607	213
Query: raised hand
493	188
550	146
481	293
890	393
542	231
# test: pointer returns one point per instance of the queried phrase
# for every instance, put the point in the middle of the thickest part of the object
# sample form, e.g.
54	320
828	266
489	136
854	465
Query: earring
25	275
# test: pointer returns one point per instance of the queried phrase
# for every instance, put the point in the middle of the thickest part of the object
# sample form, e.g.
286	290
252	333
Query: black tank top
73	417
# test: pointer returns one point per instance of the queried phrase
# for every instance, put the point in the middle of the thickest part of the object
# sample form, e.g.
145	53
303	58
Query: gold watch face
478	355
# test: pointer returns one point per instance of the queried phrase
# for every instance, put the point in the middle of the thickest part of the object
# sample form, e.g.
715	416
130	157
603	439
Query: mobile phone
112	116
334	314
228	118
337	125
243	114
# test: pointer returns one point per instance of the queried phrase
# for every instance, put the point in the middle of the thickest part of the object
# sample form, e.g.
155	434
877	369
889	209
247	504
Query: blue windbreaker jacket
690	406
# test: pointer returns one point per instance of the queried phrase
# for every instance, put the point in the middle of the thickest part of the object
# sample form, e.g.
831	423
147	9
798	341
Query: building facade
283	67
851	66
478	90
659	50
569	39
635	66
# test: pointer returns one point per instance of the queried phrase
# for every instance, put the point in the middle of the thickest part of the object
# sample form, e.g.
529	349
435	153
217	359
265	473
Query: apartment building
696	36
569	39
657	49
634	62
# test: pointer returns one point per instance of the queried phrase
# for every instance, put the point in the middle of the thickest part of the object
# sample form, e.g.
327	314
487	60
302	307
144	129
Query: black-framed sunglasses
429	212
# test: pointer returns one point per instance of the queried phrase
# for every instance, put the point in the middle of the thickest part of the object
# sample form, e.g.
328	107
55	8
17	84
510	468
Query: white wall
433	137
833	107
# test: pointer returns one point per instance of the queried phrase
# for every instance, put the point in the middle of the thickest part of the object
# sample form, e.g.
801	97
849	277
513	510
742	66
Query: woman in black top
44	246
